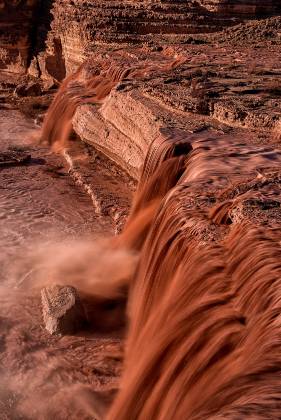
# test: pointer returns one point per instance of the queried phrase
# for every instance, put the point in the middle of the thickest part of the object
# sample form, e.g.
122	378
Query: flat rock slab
11	158
63	312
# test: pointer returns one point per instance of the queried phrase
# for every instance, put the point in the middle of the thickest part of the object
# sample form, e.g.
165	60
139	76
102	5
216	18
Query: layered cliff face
80	26
24	26
16	26
56	36
220	86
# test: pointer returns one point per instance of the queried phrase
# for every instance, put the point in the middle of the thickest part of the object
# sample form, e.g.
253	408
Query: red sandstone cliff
78	27
23	30
16	25
57	35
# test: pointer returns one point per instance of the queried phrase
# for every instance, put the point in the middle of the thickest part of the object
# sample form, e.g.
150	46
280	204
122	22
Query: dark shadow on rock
40	28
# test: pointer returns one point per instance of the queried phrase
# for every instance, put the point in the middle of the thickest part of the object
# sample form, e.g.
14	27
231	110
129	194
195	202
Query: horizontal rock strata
234	90
16	25
57	36
79	26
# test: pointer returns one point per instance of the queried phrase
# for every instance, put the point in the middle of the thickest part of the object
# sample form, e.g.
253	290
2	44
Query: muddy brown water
40	203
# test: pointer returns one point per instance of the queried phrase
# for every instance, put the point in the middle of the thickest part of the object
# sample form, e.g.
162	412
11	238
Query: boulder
63	312
31	89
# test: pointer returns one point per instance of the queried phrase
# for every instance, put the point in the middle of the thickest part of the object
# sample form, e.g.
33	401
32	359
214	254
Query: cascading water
92	83
204	307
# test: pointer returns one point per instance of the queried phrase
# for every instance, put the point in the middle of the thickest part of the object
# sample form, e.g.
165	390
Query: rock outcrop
53	37
235	90
62	309
80	27
16	26
23	31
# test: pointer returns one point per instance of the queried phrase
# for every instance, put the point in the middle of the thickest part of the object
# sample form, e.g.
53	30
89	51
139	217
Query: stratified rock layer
234	90
80	26
16	25
55	36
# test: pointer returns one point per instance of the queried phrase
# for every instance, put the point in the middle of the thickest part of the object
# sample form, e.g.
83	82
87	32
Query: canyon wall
53	37
16	26
24	26
82	26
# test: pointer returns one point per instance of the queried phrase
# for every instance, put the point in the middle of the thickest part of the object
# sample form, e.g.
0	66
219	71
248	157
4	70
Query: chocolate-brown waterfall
204	284
205	305
200	353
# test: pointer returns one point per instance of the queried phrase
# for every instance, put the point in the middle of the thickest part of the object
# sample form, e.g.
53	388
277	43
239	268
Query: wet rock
32	89
63	311
11	158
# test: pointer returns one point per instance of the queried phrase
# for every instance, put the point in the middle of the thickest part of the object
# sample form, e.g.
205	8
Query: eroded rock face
80	26
233	90
16	26
23	31
53	37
